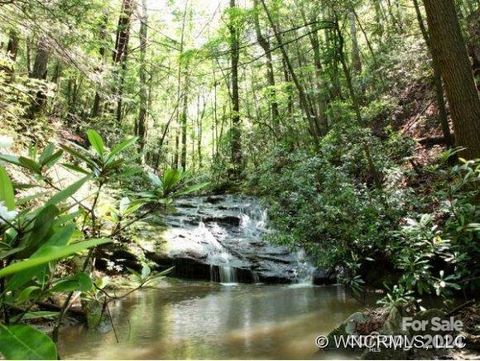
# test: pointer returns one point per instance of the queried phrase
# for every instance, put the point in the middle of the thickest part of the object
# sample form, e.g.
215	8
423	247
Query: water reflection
185	320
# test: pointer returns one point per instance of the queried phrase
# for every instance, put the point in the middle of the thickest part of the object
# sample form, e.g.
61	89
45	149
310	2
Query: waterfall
223	237
227	274
305	269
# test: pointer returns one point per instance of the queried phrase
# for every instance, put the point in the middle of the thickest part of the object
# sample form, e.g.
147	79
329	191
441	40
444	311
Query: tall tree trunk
142	115
120	52
39	71
183	122
450	52
321	88
12	46
356	59
97	101
265	44
437	80
181	117
236	142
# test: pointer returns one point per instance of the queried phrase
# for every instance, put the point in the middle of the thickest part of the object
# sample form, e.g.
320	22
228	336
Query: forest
239	179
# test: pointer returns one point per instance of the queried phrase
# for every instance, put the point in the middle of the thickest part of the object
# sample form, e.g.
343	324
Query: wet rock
322	277
215	199
115	259
228	220
221	231
393	323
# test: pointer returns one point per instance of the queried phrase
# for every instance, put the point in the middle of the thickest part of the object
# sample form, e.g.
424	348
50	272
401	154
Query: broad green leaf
96	141
79	282
4	253
6	190
50	161
79	156
67	192
41	229
119	148
30	165
47	153
21	278
22	342
61	237
49	254
26	294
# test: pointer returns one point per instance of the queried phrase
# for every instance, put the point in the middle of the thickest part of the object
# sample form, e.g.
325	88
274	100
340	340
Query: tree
437	80
12	46
39	71
265	44
235	58
142	116
304	102
449	50
120	52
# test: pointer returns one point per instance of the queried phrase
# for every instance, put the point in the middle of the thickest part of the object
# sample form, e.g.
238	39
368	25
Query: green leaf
79	156
75	168
50	253
191	189
6	190
27	199
50	161
47	153
9	252
26	294
79	282
30	165
96	141
42	228
10	159
40	314
22	342
121	147
67	192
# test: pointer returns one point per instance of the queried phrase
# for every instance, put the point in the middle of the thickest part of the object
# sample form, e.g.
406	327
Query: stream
233	295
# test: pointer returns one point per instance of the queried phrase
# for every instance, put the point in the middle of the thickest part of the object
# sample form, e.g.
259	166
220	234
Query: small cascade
305	270
227	274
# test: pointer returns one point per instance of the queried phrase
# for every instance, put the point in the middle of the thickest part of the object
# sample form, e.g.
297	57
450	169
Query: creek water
231	310
207	320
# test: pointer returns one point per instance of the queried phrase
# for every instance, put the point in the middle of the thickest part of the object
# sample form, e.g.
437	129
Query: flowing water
230	311
207	320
